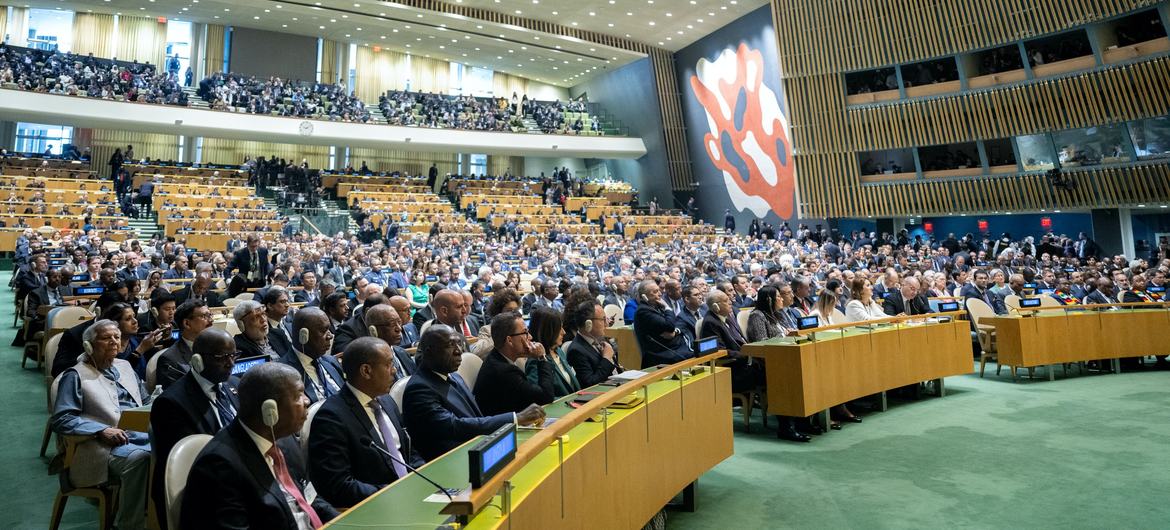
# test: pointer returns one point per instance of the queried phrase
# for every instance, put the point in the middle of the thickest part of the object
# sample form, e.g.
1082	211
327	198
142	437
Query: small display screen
707	345
1156	289
432	278
1030	302
79	278
945	307
91	290
243	365
1029	285
1046	291
808	322
56	262
491	454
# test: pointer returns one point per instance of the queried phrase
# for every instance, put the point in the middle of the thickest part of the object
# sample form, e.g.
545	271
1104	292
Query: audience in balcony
282	97
85	75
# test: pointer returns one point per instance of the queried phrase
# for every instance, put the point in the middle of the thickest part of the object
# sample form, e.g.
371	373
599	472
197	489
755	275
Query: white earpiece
715	307
303	336
269	413
197	363
88	347
587	326
373	332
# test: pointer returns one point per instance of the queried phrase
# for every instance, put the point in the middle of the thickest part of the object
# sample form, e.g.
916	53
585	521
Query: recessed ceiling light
383	36
518	12
407	45
420	15
592	14
347	35
651	22
284	25
441	47
611	24
321	27
394	31
256	17
333	20
574	23
407	26
669	15
690	26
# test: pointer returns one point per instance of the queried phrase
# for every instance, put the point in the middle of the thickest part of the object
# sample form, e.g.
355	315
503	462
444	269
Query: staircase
146	227
339	207
196	101
531	125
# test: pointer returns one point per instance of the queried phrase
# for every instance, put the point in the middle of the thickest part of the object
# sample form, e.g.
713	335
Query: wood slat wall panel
820	41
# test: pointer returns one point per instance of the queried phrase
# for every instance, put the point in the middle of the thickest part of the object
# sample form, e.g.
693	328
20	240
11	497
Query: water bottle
154	395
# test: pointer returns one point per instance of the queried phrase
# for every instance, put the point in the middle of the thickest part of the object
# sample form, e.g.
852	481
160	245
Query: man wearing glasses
201	402
192	318
501	385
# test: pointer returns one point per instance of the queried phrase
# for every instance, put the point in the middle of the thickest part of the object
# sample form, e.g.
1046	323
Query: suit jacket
174	364
279	341
181	410
503	387
230	485
212	298
995	301
39	297
405	360
344	468
1095	297
349	330
590	366
712	326
242	263
409	335
26	282
70	348
687	323
649	324
443	414
307	297
246	347
330	365
894	305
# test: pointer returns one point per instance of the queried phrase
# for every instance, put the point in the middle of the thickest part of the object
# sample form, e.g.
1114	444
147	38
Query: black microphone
373	444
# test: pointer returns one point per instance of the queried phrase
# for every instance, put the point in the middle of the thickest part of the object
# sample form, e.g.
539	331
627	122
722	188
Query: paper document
629	375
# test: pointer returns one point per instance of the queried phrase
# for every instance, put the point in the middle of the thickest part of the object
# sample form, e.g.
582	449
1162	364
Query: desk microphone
379	449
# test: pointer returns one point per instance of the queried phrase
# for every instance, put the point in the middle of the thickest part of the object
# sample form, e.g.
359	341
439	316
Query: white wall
542	92
17	105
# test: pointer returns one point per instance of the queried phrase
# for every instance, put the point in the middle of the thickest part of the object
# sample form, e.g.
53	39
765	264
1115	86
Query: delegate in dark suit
590	366
354	327
212	298
743	375
231	486
344	468
328	362
649	325
501	386
894	305
442	414
174	363
181	410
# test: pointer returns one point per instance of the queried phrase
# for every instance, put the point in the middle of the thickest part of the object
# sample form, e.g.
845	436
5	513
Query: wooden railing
886	320
473	501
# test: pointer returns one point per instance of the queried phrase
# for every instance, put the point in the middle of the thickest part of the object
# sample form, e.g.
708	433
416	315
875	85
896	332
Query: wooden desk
136	419
633	462
1054	337
810	377
629	353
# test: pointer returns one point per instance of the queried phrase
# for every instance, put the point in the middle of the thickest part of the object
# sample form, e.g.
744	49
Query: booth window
1104	144
1151	137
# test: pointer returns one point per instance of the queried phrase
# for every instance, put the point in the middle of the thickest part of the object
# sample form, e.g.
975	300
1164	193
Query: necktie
223	406
389	437
466	329
735	335
254	270
323	379
398	368
280	470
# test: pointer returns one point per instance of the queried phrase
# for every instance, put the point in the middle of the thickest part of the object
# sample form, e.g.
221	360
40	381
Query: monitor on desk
247	363
89	290
491	454
57	262
1156	289
79	278
946	307
808	322
705	346
1029	302
1030	285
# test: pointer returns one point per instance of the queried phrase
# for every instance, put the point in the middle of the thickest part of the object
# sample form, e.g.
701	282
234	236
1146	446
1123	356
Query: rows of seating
55	72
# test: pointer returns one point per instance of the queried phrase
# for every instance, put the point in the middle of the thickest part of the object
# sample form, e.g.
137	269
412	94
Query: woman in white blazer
863	306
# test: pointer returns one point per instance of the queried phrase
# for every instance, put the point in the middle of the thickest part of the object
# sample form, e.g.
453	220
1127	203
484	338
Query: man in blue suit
310	357
357	439
441	412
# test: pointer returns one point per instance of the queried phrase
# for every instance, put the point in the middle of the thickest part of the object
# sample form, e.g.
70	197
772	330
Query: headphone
642	297
587	325
715	306
197	363
303	336
88	347
269	413
373	332
154	312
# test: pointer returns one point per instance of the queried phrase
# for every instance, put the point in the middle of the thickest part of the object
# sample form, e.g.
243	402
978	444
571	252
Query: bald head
385	321
448	305
402	306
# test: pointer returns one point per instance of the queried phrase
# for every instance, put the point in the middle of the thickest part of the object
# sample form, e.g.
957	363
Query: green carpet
1083	452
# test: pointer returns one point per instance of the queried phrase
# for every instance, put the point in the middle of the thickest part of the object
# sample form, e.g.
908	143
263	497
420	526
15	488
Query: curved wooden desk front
853	362
616	473
1065	335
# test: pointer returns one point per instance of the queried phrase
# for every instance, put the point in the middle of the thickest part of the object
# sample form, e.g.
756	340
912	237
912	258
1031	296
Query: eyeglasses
521	334
225	356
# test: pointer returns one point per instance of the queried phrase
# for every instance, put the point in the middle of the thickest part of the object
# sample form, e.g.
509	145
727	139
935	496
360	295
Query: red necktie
466	330
290	487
